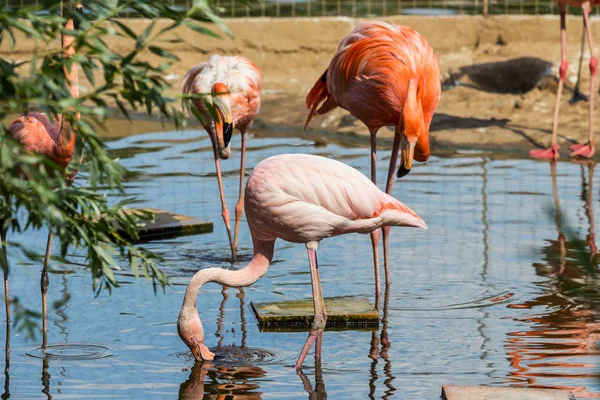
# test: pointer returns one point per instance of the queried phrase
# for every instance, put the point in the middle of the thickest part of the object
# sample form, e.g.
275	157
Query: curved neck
263	254
65	142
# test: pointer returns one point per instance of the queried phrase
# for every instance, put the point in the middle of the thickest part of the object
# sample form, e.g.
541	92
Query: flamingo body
303	199
233	86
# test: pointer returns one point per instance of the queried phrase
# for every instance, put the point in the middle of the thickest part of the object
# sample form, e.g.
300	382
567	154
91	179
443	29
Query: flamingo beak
224	129
408	150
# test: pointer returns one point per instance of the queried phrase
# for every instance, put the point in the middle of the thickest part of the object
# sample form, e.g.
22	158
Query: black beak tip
227	133
402	171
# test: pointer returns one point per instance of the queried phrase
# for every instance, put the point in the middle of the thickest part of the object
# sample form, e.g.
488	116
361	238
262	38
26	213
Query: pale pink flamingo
384	75
233	86
301	199
579	150
53	139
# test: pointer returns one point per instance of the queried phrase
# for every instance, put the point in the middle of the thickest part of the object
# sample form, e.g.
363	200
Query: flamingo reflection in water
561	341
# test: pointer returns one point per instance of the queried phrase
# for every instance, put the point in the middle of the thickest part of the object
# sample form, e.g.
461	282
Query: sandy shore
481	107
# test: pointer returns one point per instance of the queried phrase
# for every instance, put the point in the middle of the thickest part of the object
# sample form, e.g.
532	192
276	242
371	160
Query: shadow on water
562	342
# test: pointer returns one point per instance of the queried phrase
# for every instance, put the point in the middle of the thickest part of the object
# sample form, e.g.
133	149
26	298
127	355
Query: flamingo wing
301	198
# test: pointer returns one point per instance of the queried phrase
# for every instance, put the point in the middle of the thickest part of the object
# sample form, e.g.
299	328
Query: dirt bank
477	108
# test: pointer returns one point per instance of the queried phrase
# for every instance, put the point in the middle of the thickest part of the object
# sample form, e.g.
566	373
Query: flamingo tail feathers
318	95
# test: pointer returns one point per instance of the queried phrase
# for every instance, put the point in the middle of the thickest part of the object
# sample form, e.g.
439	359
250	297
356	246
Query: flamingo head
413	127
191	332
74	11
223	118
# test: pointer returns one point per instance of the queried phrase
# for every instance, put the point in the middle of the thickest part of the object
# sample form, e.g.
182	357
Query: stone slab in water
459	392
169	224
294	315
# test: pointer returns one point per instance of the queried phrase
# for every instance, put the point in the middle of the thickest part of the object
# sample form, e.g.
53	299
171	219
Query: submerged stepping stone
459	392
297	315
169	224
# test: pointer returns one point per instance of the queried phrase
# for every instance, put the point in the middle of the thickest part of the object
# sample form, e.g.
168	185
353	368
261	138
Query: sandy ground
502	106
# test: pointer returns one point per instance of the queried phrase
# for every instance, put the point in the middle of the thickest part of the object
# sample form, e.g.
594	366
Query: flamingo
299	198
579	150
384	75
54	139
235	87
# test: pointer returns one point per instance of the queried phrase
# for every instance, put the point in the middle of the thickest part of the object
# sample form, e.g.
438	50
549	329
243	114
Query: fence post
323	7
232	8
354	8
339	8
485	8
262	8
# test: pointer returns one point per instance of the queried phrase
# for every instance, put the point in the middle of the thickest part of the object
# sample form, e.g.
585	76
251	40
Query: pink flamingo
299	198
235	86
384	75
53	139
579	150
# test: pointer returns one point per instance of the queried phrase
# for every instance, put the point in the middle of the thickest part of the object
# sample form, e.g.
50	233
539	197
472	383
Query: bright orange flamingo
384	75
53	139
235	86
579	150
299	198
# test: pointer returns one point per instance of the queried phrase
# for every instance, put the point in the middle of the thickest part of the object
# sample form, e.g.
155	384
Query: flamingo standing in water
384	75
235	86
53	139
299	198
579	150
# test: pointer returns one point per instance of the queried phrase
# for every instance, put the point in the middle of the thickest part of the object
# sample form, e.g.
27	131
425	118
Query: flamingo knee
593	65
564	65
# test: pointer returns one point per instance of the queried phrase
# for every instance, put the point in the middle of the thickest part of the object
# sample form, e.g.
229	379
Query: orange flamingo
579	150
384	75
235	86
53	139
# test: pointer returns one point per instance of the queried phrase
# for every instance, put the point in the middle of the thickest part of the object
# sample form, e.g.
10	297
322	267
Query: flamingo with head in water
54	139
299	198
384	75
232	86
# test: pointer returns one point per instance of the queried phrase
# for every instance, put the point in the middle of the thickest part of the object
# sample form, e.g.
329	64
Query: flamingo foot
550	154
583	150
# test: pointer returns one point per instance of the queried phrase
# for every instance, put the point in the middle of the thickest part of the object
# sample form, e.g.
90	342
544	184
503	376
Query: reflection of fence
357	8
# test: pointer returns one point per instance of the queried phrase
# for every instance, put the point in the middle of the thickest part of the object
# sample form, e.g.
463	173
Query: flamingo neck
263	254
65	142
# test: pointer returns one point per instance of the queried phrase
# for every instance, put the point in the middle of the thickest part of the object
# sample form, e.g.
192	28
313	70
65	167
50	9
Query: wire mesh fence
356	8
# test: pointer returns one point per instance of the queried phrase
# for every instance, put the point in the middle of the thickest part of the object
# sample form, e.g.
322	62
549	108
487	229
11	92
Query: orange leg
239	207
587	150
318	324
224	209
388	189
376	233
552	152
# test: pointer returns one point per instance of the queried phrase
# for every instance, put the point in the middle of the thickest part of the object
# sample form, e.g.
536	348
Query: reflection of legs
224	209
552	152
240	296
376	233
221	319
318	325
587	150
558	216
44	282
388	189
591	237
239	207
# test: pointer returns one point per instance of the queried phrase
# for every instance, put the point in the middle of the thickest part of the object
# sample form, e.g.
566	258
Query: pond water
492	294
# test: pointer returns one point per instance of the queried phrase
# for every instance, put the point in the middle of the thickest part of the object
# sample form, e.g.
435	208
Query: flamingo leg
587	150
552	152
318	324
44	283
376	233
577	95
239	207
5	269
224	209
388	190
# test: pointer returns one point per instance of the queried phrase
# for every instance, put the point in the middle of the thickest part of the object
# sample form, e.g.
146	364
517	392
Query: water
491	294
